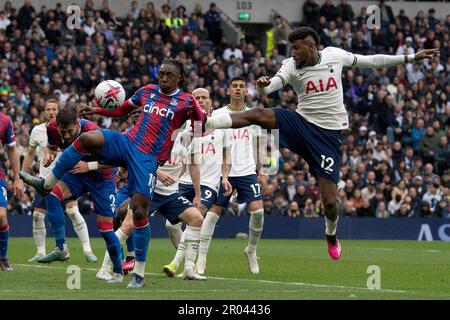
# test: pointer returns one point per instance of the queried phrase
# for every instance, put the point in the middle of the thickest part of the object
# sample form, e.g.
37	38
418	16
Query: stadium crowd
395	159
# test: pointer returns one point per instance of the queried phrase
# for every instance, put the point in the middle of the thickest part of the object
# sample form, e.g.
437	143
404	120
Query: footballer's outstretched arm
383	60
127	107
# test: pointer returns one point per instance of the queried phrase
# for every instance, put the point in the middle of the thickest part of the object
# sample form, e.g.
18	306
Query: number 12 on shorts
327	163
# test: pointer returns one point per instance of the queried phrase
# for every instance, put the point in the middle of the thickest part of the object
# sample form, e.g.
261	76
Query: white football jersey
39	140
242	160
173	167
208	153
319	88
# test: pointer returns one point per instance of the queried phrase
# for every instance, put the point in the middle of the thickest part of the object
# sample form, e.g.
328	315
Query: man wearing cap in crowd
372	142
361	138
407	47
418	185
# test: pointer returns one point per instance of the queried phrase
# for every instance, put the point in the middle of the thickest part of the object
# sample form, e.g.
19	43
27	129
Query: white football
109	94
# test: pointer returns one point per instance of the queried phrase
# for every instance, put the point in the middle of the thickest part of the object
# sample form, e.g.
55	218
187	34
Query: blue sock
4	237
114	249
55	214
130	243
142	234
68	159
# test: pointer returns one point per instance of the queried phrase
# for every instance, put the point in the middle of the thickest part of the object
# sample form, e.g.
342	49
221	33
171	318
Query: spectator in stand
293	210
311	13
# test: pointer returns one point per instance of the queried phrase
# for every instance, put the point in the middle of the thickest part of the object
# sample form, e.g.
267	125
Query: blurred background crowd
395	160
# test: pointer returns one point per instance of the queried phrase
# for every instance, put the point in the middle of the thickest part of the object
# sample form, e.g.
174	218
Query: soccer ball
109	94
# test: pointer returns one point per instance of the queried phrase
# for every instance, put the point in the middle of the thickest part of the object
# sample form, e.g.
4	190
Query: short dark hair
180	67
302	32
67	116
238	78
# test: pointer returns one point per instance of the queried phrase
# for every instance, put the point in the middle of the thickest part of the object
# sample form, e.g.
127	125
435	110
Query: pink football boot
334	247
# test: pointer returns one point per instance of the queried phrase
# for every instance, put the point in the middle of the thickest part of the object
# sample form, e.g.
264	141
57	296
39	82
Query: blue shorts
209	195
39	202
3	195
170	206
319	147
119	151
122	195
103	193
247	187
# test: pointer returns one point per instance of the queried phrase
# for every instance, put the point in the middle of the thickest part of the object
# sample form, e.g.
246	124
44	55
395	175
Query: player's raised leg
328	191
87	143
265	118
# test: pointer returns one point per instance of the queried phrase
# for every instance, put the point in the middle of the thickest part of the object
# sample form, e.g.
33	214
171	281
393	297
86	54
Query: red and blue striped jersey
55	142
156	128
6	137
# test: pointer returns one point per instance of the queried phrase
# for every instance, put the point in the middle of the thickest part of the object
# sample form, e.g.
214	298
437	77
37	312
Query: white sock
179	256
121	236
206	233
39	231
50	181
192	241
139	268
175	232
255	228
107	263
219	121
80	227
330	226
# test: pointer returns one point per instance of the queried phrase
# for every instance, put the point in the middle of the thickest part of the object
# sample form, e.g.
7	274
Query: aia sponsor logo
321	86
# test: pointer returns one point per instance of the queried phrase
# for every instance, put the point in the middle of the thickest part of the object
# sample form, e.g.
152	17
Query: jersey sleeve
52	135
347	59
10	138
227	139
90	126
284	73
136	98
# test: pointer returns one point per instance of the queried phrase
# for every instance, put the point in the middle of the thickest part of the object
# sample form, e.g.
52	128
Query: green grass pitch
290	269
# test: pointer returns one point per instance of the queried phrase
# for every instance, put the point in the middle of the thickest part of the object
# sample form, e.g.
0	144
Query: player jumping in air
314	129
148	144
38	143
7	137
211	152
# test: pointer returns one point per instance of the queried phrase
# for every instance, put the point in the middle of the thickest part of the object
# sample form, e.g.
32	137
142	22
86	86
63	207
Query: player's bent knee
256	205
192	217
3	220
